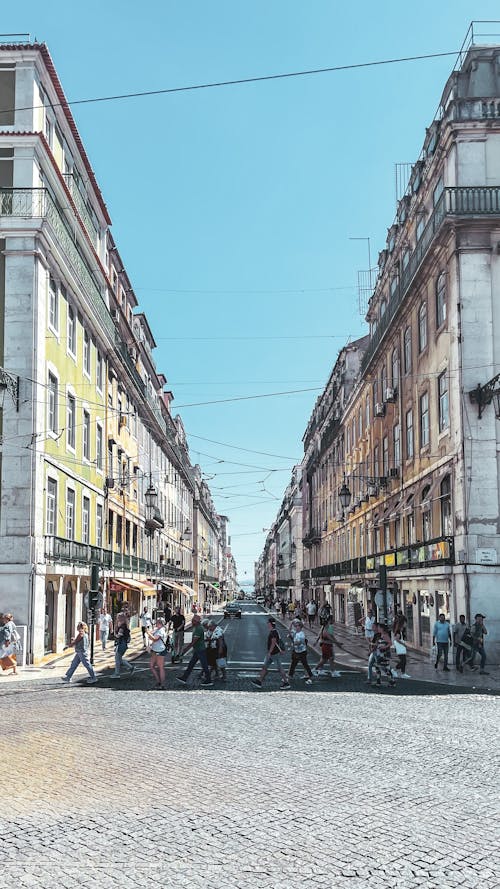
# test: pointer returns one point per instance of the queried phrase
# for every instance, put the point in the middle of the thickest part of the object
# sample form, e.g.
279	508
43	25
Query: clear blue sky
233	207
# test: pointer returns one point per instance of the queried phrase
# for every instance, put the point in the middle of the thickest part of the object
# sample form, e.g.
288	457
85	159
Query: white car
260	600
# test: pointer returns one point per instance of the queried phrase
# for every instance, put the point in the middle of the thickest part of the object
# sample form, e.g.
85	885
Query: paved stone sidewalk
251	791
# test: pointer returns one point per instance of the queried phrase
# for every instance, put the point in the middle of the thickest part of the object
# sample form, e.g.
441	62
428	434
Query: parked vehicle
232	609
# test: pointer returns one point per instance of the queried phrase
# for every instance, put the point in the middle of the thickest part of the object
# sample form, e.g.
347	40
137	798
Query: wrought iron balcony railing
38	203
467	202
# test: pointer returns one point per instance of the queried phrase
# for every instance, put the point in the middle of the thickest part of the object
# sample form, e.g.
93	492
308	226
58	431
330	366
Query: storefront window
426	618
408	599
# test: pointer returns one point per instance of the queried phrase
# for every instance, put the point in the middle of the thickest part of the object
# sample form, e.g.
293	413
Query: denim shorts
273	661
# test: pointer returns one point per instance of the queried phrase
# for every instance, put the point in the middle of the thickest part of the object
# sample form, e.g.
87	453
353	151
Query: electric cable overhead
239	81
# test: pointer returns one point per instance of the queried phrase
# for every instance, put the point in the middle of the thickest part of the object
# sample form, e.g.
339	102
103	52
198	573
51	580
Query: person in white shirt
105	626
299	651
158	651
311	612
146	624
368	623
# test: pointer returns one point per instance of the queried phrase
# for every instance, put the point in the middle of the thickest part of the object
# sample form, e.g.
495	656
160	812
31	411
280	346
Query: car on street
260	600
232	609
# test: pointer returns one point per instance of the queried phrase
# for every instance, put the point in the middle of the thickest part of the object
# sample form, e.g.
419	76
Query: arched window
441	299
446	514
422	327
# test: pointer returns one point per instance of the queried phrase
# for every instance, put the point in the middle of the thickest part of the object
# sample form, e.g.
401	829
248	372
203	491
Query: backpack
280	642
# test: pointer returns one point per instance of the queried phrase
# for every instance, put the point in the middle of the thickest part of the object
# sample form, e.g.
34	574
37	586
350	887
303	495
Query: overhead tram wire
239	81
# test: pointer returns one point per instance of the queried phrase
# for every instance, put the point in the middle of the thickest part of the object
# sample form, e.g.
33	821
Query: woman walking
9	639
81	643
299	651
122	639
158	651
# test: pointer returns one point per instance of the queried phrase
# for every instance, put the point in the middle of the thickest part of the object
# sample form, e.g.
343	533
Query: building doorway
69	614
48	638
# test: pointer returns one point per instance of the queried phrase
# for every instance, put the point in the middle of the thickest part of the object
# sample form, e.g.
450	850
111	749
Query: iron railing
83	210
453	202
438	551
38	203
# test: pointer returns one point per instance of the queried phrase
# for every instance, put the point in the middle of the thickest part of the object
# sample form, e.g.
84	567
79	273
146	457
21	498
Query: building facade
95	470
400	469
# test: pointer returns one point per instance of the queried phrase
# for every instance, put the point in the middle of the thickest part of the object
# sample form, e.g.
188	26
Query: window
396	444
99	372
53	306
53	394
49	130
395	368
119	531
387	535
70	514
420	225
422	327
71	342
426	515
406	257
383	306
98	446
394	286
438	191
441	299
376	462
407	350
444	411
51	504
385	456
86	520
70	422
424	420
110	527
383	381
367	411
98	525
86	435
446	514
86	352
409	434
375	395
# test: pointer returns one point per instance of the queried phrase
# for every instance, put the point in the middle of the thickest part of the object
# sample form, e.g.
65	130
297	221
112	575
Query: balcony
83	210
38	203
467	202
439	551
73	552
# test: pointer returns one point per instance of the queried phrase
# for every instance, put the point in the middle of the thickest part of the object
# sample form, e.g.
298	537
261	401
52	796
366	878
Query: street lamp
344	496
151	496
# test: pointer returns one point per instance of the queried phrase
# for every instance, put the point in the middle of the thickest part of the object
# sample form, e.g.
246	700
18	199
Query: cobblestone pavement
107	785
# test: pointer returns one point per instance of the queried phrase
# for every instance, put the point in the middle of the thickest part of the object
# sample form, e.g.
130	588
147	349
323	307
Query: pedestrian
122	639
311	612
283	608
81	644
327	640
462	647
275	650
299	650
199	653
478	631
325	614
368	624
400	649
399	625
167	615
291	610
216	649
145	624
158	638
178	623
380	654
105	626
9	640
441	635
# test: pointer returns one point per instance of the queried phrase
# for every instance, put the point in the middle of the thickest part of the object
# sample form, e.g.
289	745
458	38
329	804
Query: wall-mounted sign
486	556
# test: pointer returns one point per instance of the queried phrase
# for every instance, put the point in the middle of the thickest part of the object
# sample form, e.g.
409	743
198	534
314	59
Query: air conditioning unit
390	394
394	472
379	409
110	482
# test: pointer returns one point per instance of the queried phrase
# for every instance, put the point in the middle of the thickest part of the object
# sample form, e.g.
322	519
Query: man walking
178	623
441	635
311	612
199	654
273	657
368	624
478	631
459	631
146	624
299	652
105	626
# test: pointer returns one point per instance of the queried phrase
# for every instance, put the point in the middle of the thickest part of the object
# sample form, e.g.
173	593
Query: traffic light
95	595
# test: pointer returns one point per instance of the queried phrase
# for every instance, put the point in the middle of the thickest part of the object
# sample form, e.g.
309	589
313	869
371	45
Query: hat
271	621
480	615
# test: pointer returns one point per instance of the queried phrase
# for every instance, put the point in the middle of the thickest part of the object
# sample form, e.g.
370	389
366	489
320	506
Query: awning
175	585
207	583
128	583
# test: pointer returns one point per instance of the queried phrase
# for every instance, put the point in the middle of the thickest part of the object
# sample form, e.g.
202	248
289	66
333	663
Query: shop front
130	596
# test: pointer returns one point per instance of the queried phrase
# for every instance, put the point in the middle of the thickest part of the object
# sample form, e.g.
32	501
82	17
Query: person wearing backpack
275	649
122	639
